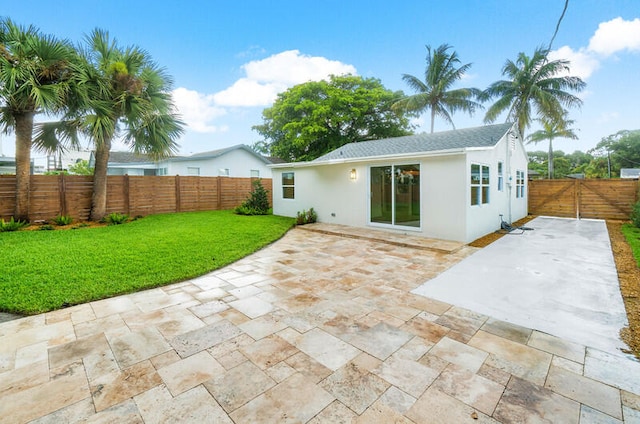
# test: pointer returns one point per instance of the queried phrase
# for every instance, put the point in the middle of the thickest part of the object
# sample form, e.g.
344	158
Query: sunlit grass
45	270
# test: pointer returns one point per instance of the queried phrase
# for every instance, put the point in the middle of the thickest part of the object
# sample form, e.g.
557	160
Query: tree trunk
99	195
24	132
550	159
433	118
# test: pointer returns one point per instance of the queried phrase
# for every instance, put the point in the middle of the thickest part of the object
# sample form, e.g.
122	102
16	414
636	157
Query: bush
635	214
116	218
306	217
12	225
62	220
257	203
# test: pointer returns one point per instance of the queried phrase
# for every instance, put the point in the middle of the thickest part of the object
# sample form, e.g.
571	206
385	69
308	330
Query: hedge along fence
589	198
53	195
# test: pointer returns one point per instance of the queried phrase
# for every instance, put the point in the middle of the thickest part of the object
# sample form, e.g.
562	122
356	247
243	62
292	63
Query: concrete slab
559	278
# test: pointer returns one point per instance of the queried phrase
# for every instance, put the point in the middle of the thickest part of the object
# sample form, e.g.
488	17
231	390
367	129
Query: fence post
178	190
577	196
125	188
219	183
62	193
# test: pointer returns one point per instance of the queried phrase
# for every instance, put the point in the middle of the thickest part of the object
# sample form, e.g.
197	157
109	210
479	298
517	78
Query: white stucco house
235	161
451	185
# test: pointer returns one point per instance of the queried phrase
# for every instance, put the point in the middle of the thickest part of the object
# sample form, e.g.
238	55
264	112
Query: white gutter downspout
508	166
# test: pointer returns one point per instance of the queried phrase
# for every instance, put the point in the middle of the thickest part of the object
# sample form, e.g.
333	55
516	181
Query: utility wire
564	10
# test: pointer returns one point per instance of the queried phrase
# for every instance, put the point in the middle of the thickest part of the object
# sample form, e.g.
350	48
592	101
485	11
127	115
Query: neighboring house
7	165
235	161
630	173
452	185
128	163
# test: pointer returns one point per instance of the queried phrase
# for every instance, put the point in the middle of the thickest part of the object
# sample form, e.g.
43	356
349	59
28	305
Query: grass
632	234
45	270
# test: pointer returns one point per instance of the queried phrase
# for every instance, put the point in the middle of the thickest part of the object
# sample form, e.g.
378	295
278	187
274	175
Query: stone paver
315	328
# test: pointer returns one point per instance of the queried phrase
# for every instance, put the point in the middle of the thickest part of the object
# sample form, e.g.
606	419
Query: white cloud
616	35
266	78
197	109
606	117
262	82
582	63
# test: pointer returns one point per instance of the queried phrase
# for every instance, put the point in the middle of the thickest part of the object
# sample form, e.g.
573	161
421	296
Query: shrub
46	227
12	225
306	217
63	220
635	214
116	218
257	203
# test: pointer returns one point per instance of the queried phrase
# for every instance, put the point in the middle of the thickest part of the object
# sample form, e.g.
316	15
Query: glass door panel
407	195
381	202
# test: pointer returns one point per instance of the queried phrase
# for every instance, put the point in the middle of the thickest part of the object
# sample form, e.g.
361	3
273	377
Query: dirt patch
628	275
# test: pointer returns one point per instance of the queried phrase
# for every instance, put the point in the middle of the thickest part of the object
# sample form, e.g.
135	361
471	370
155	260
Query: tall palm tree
34	71
553	128
435	91
534	85
117	93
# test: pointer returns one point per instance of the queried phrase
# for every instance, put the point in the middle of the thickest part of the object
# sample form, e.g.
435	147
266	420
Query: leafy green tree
435	93
553	128
34	70
314	118
258	201
81	167
616	151
118	92
534	87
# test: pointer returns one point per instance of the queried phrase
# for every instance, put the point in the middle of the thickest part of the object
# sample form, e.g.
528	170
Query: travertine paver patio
315	328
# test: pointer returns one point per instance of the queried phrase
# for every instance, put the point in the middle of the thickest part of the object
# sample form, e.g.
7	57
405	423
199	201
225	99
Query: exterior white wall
445	193
239	162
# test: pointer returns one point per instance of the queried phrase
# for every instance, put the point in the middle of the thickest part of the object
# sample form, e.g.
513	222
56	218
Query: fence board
53	195
591	198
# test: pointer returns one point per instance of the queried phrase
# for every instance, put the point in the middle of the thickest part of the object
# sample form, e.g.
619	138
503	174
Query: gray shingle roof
215	153
128	157
485	136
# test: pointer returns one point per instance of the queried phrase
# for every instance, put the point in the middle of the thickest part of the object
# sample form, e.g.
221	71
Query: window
288	185
519	184
500	177
479	184
255	173
223	172
162	171
193	170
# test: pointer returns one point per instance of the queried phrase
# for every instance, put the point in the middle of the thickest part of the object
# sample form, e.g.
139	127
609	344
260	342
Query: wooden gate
602	199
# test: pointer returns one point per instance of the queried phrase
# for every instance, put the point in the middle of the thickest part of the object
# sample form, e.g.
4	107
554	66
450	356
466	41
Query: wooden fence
589	198
53	195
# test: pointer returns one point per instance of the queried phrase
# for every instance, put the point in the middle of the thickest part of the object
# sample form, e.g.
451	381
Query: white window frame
519	184
193	171
254	173
500	176
291	186
223	172
480	184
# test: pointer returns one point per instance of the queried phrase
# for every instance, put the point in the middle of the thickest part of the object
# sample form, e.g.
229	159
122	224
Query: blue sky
230	59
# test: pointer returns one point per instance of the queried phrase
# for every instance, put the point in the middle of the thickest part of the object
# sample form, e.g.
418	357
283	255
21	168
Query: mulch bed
628	274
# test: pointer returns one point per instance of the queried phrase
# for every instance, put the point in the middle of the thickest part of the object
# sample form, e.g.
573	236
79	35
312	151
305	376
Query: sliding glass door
395	195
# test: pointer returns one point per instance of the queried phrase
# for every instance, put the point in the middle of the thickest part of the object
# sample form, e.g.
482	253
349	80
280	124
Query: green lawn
632	234
46	270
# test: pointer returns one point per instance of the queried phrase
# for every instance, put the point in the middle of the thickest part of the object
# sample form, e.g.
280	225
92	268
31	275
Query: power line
564	10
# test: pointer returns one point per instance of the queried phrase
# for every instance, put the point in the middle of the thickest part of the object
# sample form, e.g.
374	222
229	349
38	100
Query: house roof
216	153
476	137
128	157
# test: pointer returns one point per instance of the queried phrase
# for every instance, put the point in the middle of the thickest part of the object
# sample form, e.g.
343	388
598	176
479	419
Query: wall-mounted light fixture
353	175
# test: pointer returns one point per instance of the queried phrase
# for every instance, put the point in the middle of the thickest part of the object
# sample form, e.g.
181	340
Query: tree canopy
435	93
311	119
553	128
534	87
619	150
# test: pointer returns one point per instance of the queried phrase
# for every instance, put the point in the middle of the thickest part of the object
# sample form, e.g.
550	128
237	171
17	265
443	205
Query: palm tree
533	85
551	129
435	91
117	93
34	70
